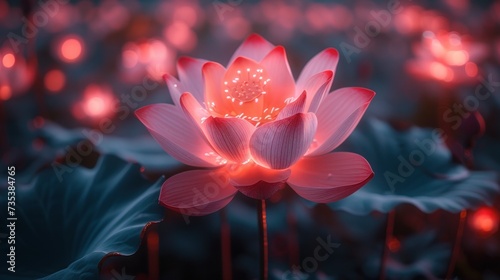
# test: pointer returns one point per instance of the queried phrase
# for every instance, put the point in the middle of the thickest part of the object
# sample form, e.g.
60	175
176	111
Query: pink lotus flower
257	129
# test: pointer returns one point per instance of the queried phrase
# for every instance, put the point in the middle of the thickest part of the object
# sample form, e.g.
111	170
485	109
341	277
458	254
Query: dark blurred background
73	72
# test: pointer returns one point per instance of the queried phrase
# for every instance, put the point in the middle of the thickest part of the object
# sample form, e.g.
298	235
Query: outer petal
295	107
325	60
197	192
194	110
251	173
176	135
213	74
256	181
282	85
230	137
281	143
317	87
190	75
254	47
338	115
174	87
329	177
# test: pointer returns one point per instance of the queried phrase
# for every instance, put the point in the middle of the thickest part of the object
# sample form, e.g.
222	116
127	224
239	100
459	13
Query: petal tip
254	37
332	51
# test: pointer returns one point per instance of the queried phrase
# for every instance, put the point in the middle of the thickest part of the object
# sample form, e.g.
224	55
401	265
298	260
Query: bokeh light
54	80
71	49
441	72
8	60
485	221
152	57
97	102
471	69
181	36
5	92
66	69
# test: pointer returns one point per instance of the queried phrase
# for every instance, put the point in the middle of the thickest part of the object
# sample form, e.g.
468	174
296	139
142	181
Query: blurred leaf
65	227
413	167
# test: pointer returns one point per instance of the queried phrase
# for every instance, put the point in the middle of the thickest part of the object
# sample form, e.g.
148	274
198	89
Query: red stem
293	246
264	254
153	255
456	247
225	236
388	236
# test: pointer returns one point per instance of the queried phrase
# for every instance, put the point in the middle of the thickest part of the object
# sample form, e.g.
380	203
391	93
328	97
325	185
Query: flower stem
153	243
293	243
389	229
263	240
225	236
456	247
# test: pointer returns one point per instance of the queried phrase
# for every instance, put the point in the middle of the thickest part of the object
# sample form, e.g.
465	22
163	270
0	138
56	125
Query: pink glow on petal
329	177
295	107
325	60
230	137
251	173
175	88
254	47
177	135
338	115
193	109
281	85
261	189
197	192
245	89
317	87
213	75
190	74
281	143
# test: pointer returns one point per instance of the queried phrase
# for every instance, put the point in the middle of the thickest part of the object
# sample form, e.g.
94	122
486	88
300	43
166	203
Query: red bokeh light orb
485	221
8	60
54	80
98	102
71	49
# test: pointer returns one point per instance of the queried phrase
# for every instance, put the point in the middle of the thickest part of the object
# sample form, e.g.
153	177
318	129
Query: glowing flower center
246	86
